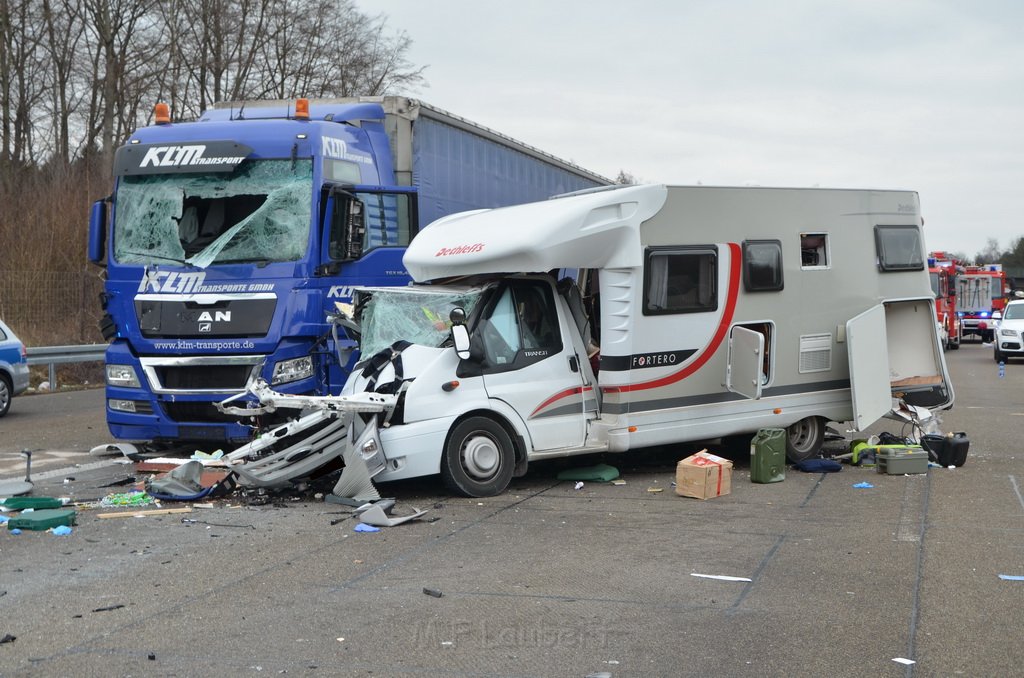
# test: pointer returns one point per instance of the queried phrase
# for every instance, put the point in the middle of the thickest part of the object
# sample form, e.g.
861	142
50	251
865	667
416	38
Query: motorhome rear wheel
804	438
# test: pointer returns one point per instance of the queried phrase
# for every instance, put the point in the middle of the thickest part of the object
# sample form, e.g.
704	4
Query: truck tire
6	393
804	438
478	459
954	342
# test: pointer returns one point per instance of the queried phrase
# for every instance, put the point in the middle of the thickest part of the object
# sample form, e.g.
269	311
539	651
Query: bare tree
625	178
63	23
120	54
22	83
989	254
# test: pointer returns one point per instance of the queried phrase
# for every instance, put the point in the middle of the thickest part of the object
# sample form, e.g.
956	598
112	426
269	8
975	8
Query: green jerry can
768	456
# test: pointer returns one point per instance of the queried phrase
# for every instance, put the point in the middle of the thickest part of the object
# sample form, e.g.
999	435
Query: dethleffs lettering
461	249
178	156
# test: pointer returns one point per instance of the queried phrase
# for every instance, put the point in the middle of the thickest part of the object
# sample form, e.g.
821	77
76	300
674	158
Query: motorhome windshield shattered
258	213
419	317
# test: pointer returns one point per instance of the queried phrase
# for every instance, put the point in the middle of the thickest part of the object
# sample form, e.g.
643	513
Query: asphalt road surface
544	580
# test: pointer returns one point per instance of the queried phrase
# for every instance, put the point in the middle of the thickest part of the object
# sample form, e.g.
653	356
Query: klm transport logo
339	292
180	156
172	282
337	148
193	282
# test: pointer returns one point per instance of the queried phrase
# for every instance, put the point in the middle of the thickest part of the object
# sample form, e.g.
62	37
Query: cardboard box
703	475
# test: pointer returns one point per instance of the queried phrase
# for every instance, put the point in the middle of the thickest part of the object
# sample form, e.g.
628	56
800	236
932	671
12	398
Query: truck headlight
121	405
122	375
292	370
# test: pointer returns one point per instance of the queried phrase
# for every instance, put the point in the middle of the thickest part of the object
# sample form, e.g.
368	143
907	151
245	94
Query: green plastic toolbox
768	456
896	460
42	519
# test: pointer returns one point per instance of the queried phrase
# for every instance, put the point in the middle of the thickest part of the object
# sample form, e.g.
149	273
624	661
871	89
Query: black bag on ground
947	450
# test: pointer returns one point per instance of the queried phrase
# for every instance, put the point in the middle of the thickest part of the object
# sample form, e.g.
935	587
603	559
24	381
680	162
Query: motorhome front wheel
478	459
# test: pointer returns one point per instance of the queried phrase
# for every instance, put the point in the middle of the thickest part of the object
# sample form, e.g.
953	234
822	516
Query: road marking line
1016	488
56	473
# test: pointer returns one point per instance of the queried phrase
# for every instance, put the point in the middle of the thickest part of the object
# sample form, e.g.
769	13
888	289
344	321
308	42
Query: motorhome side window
521	326
899	248
814	250
762	265
680	280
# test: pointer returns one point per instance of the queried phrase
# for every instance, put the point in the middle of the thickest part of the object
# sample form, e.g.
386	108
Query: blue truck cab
227	241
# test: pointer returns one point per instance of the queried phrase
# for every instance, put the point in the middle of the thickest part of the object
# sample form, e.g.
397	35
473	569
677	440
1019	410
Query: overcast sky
904	94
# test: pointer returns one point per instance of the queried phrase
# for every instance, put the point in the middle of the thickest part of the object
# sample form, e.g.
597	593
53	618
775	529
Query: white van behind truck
695	313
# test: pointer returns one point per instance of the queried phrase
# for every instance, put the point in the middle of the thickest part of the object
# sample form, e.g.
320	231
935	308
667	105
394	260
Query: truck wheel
804	438
478	458
5	394
954	343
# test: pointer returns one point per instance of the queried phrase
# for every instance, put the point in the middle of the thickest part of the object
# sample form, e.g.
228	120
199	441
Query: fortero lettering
655	359
461	249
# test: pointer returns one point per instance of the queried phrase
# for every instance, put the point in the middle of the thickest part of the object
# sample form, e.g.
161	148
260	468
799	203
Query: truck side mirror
97	231
354	229
345	217
460	333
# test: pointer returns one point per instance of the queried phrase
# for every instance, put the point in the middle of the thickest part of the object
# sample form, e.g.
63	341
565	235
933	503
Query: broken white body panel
718	311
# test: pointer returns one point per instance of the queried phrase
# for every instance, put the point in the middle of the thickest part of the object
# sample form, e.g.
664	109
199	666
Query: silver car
13	367
1009	332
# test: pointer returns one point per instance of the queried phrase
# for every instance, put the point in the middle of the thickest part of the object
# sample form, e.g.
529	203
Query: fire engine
942	271
981	293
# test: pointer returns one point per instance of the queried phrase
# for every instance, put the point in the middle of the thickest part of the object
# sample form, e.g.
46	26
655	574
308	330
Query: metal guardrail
62	355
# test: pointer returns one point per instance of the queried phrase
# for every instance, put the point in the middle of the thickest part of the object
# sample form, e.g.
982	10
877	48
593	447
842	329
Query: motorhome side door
743	373
868	354
531	364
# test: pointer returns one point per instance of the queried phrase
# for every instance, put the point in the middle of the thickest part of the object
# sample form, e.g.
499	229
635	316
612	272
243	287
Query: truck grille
198	412
218	377
200	374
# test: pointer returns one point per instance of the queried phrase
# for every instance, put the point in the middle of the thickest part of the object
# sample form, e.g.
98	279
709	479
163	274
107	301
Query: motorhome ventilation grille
815	353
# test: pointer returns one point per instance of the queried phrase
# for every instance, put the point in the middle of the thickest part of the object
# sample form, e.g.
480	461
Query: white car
1009	332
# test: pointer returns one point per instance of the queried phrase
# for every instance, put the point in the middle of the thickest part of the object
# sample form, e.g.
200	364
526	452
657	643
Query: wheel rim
5	396
481	457
802	434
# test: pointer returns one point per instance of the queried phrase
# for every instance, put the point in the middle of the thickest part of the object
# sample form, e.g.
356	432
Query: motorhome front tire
478	458
804	438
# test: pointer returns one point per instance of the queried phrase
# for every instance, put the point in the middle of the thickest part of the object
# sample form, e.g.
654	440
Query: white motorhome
695	313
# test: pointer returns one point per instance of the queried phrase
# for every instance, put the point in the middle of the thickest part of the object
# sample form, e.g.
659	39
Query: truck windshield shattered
413	314
257	213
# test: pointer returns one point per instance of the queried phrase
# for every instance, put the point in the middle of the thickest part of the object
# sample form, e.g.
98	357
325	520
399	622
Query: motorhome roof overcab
694	313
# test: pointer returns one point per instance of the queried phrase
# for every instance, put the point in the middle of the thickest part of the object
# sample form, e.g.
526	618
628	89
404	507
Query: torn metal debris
326	430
